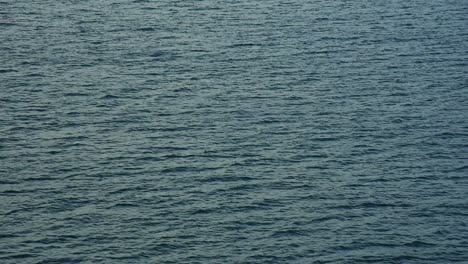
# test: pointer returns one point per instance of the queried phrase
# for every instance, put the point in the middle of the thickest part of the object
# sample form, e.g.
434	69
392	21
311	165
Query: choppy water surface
234	131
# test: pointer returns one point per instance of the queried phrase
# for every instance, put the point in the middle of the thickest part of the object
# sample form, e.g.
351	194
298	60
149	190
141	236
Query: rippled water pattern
234	131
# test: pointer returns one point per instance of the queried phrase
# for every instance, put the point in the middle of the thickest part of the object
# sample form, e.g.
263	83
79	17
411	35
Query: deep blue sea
233	131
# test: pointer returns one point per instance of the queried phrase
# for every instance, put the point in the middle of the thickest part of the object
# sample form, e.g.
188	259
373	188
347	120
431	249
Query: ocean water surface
234	131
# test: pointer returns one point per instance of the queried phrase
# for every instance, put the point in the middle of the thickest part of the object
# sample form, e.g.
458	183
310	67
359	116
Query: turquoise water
233	131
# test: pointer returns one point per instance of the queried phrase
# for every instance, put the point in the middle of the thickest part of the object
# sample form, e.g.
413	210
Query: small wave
147	29
226	179
203	211
109	97
418	243
289	233
240	45
74	94
3	23
462	168
20	256
7	70
117	205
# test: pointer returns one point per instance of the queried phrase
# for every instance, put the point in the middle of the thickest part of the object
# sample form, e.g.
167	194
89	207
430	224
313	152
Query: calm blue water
234	131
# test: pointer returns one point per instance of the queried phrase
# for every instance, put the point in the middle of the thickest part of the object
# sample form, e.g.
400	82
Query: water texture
234	131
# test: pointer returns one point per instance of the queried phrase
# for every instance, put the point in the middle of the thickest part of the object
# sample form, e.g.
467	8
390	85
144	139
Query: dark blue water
234	131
